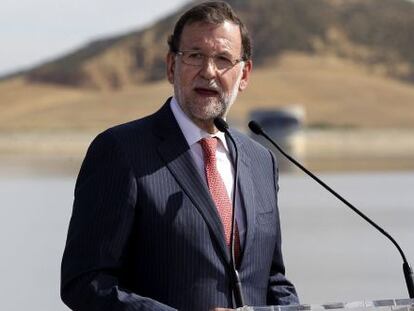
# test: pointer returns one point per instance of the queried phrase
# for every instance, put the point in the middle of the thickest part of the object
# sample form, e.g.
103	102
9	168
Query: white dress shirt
193	134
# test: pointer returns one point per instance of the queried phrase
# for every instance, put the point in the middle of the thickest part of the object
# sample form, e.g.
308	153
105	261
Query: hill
348	63
376	34
332	92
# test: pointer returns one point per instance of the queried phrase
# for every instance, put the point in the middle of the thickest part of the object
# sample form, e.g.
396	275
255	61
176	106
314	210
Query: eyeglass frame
205	56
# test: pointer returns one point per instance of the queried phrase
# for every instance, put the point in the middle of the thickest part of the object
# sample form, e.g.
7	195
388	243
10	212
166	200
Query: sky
32	32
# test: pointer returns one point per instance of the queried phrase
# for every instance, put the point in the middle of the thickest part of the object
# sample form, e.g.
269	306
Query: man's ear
170	60
248	66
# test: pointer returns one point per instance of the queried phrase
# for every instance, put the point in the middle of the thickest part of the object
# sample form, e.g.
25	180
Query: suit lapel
246	193
176	154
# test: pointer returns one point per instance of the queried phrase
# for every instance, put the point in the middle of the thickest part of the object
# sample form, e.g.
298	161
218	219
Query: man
150	229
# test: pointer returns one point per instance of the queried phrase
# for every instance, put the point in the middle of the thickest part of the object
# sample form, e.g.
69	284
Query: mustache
210	85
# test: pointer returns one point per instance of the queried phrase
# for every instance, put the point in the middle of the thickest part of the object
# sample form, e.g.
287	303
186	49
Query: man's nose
208	69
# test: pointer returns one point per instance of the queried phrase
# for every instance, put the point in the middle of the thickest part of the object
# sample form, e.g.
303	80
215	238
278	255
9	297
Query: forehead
207	36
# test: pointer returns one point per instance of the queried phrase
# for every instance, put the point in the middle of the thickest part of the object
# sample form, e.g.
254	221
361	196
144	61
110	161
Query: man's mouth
206	91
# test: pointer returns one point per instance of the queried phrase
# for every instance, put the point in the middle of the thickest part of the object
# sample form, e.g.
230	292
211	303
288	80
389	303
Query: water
34	216
330	254
333	255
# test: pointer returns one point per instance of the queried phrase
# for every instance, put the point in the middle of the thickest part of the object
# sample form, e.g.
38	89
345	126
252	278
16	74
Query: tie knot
209	146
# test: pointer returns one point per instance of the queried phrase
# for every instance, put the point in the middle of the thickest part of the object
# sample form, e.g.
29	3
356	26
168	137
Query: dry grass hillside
333	92
347	62
376	34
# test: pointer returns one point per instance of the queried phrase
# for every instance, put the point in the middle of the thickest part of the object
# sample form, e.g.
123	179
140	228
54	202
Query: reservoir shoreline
319	149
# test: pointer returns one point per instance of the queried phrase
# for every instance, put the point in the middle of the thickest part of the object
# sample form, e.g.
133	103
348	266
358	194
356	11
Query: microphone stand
222	126
408	272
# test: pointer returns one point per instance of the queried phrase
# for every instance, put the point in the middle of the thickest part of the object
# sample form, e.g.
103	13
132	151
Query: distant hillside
377	34
333	93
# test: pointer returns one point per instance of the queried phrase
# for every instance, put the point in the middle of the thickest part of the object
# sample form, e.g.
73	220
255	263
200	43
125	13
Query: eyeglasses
197	58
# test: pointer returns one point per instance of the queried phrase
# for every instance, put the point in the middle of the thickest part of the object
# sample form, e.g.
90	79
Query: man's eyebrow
220	53
193	49
225	53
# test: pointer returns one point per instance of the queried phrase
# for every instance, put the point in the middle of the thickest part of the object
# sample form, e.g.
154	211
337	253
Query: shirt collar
191	131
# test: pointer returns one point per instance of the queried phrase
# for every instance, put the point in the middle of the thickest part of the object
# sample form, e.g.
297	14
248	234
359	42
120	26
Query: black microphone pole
222	126
408	272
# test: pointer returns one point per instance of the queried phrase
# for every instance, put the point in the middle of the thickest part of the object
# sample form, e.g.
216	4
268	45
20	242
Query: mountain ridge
375	34
338	81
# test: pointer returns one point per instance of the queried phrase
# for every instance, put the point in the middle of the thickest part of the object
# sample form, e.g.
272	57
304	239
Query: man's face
205	92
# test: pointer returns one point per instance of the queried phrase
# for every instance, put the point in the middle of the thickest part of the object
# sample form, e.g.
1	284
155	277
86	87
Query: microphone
408	272
222	126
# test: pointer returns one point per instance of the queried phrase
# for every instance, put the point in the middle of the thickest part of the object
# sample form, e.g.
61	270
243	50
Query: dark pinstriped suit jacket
145	234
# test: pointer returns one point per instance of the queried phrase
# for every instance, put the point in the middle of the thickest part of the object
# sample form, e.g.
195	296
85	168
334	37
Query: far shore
321	149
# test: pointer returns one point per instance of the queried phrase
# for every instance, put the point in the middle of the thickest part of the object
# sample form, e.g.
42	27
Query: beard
204	109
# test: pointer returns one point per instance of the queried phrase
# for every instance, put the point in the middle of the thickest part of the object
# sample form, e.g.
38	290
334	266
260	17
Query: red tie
218	191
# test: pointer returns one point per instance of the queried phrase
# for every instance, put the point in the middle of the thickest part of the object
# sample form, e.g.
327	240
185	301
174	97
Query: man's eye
223	59
195	55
